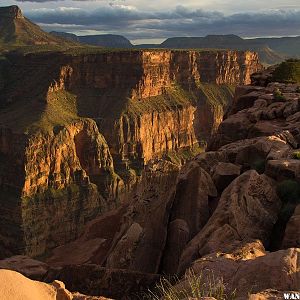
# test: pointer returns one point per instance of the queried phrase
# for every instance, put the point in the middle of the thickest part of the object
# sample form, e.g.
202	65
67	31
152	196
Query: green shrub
289	191
288	71
296	155
286	212
193	286
259	165
278	95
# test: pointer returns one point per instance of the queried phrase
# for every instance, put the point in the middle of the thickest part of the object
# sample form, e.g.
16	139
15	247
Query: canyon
146	174
81	130
226	219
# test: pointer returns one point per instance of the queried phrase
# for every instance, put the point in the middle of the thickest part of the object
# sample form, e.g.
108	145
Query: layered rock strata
77	133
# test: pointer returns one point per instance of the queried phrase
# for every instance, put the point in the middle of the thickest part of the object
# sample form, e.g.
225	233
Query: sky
144	21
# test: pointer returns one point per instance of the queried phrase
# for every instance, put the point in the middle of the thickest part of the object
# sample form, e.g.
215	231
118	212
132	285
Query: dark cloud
40	1
180	21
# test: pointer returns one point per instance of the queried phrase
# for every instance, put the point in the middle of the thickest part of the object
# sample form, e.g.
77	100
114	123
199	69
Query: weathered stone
15	286
283	169
224	174
248	208
292	231
280	269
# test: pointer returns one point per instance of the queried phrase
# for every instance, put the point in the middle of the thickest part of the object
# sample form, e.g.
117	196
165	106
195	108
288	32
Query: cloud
41	1
180	21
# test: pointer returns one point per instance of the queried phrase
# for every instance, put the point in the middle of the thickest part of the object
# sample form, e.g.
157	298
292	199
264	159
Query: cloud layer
134	23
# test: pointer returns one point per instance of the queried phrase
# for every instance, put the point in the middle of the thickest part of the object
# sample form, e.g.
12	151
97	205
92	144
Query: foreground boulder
14	286
89	279
280	269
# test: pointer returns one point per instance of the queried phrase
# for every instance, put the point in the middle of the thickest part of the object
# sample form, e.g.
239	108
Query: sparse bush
288	71
289	191
278	95
296	155
192	286
259	165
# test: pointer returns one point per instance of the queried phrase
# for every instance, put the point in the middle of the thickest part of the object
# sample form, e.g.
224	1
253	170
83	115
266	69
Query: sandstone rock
128	243
246	100
234	128
269	294
292	231
177	239
194	187
248	208
283	169
190	212
15	286
252	151
224	174
280	269
209	160
93	245
150	210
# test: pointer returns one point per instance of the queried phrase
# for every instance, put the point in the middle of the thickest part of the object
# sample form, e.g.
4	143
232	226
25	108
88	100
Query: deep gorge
89	126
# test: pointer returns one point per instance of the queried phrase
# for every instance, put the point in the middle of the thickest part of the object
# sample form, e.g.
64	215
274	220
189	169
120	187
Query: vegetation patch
193	286
60	110
216	95
278	95
296	155
289	191
182	156
259	165
288	71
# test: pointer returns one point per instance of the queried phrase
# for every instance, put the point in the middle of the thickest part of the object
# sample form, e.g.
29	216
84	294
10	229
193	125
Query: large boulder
224	174
190	212
248	209
280	270
15	286
283	169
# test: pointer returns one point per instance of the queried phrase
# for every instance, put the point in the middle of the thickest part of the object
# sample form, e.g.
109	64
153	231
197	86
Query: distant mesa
103	40
11	12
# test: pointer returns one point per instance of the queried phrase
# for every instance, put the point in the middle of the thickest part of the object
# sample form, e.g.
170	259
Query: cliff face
45	185
76	133
167	82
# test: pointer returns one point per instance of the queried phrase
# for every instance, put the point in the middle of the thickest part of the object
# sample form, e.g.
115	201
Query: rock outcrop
15	286
17	30
278	269
248	209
